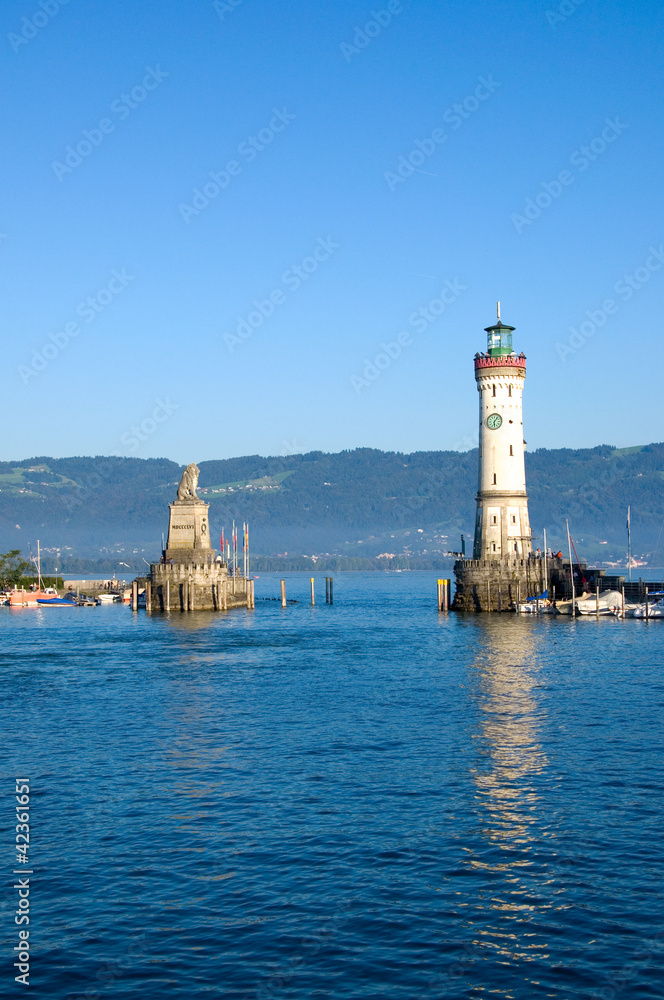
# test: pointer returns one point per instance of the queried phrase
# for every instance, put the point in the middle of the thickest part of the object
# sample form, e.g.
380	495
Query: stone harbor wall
197	586
496	584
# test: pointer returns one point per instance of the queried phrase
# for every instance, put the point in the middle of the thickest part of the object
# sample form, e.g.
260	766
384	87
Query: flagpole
571	567
629	542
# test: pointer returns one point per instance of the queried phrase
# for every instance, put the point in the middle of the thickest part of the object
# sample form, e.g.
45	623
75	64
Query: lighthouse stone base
496	584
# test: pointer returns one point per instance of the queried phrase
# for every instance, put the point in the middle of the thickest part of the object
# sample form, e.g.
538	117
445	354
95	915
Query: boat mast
571	567
629	542
39	579
546	579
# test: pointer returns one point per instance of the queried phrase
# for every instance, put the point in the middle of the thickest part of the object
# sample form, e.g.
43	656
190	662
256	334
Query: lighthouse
502	571
502	527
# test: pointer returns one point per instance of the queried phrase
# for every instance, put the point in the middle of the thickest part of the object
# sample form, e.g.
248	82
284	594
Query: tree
13	568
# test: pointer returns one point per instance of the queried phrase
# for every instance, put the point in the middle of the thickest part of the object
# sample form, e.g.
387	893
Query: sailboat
34	598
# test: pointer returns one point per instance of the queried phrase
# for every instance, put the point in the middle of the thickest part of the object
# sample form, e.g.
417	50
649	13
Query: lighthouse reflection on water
511	777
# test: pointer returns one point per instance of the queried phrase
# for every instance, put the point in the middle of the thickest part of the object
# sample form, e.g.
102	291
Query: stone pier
497	584
190	575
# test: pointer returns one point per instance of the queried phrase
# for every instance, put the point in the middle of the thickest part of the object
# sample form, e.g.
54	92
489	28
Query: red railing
506	361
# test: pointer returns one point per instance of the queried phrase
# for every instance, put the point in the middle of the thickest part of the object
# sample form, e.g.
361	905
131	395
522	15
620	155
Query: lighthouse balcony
500	361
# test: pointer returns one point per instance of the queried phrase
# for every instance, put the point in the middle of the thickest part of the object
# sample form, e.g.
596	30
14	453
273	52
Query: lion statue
189	482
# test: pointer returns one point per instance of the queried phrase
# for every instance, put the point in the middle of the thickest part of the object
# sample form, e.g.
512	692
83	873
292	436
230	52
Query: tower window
516	547
513	518
511	450
495	519
509	390
494	479
493	546
494	389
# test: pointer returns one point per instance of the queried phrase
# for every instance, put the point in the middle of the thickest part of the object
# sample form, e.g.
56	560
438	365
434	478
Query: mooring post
518	594
167	603
327	590
224	595
313	597
488	595
597	598
440	595
247	588
499	602
623	600
283	593
148	597
253	593
331	591
134	595
647	608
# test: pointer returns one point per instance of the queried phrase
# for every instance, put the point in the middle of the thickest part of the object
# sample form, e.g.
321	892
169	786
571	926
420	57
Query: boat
31	598
655	610
565	607
607	603
68	601
109	598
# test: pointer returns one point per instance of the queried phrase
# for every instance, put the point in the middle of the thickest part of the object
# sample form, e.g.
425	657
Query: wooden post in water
518	594
647	607
597	598
499	600
327	590
623	600
331	591
224	595
185	596
444	595
313	596
253	594
167	599
488	595
283	593
134	595
247	588
148	597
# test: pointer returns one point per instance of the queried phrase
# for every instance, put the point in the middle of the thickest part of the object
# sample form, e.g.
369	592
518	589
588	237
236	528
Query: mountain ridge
360	502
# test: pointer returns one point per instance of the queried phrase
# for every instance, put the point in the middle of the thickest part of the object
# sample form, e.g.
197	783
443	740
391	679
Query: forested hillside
355	503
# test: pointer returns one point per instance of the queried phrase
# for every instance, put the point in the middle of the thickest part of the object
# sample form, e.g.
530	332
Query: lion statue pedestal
190	576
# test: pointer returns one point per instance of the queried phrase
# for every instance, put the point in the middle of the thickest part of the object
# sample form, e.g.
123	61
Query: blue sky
279	309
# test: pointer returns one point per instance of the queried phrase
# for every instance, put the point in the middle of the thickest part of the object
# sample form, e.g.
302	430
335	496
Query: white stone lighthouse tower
502	571
502	527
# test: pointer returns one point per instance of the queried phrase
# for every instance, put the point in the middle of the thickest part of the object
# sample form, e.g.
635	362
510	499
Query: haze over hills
364	503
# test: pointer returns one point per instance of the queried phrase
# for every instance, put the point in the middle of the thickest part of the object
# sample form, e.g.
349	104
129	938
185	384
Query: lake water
369	800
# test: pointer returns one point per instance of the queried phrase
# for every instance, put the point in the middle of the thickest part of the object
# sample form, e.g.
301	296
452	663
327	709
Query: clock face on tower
494	421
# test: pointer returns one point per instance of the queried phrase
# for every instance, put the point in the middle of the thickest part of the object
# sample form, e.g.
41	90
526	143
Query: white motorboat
607	603
109	598
655	610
